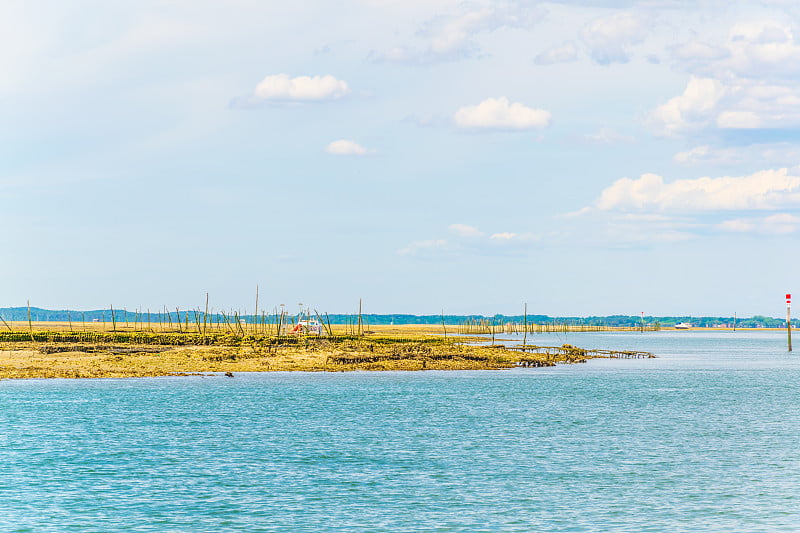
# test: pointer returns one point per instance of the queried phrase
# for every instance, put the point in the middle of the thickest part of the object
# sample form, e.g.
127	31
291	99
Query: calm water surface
704	438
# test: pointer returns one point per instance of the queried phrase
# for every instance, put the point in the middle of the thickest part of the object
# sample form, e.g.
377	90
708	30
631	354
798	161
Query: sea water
706	437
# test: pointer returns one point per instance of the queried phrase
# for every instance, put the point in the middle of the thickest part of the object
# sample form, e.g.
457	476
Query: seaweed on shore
46	354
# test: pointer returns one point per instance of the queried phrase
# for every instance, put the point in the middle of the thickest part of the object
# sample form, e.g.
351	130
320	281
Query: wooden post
359	318
255	314
525	325
205	317
30	323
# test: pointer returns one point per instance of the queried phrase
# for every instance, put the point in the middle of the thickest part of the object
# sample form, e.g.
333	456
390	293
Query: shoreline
94	350
38	353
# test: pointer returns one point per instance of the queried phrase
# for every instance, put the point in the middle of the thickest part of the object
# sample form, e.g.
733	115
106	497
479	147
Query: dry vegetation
49	350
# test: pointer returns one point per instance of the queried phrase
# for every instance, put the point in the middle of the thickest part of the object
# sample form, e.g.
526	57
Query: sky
588	157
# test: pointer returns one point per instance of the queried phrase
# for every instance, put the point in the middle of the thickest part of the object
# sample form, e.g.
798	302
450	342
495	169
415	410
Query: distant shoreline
37	314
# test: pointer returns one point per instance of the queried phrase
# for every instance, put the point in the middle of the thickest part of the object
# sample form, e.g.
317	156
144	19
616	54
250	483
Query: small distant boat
308	327
683	325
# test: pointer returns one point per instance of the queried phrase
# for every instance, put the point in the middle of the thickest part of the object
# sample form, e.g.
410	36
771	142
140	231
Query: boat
307	327
683	325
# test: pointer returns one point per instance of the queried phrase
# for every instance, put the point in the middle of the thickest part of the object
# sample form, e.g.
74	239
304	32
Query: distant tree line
120	316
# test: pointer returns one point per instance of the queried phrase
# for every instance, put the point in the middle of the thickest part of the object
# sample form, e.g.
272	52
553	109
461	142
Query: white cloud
691	110
346	147
626	229
469	240
696	53
698	154
448	35
564	53
463	230
453	36
781	154
505	236
739	120
777	224
647	209
648	235
282	88
500	114
762	49
739	225
399	54
751	80
610	38
644	217
764	190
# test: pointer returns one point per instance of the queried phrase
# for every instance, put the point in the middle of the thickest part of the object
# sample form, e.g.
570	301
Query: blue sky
585	157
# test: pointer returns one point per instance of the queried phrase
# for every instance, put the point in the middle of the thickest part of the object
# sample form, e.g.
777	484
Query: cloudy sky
586	157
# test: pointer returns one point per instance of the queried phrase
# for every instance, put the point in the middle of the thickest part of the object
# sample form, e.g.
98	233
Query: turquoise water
704	438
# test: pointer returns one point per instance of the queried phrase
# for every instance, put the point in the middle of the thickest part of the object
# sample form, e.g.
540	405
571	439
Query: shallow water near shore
703	438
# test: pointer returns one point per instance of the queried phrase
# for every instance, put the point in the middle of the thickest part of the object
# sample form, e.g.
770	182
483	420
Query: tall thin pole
789	320
205	317
525	325
30	323
255	314
359	317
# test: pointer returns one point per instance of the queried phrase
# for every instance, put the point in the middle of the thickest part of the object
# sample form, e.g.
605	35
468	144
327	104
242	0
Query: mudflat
45	351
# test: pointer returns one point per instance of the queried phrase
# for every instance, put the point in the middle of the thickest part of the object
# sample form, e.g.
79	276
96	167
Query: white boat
683	325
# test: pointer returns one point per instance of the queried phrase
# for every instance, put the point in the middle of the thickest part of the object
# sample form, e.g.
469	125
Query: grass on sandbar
111	354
